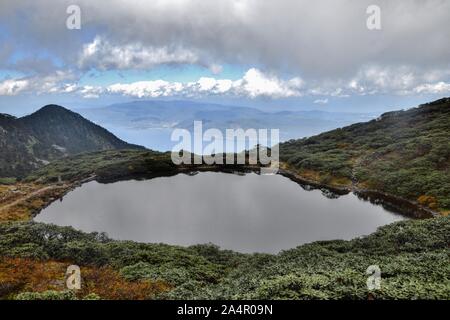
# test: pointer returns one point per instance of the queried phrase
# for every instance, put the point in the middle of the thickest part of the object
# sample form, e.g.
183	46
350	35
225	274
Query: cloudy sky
283	54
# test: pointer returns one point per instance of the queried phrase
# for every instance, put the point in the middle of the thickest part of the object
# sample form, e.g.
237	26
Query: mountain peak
50	133
52	108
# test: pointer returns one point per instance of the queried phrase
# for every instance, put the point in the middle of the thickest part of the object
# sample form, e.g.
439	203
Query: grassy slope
120	164
404	153
105	165
413	256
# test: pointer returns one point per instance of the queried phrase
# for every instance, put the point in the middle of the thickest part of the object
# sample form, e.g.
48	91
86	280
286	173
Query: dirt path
27	197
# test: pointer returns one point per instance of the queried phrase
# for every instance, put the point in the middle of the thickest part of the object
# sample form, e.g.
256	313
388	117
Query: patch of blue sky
4	31
10	74
171	73
38	54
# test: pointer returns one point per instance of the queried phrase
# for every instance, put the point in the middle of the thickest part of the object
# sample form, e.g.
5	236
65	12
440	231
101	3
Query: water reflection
249	213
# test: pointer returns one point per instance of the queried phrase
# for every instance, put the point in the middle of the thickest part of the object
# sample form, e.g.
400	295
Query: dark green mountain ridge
403	153
50	133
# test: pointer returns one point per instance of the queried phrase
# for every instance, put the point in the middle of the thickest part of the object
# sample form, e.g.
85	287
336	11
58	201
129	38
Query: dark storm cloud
321	41
314	37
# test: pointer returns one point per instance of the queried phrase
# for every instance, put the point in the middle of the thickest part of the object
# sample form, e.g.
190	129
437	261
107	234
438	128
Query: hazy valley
399	160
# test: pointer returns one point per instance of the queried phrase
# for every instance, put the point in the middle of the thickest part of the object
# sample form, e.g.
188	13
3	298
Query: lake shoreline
242	212
405	207
391	202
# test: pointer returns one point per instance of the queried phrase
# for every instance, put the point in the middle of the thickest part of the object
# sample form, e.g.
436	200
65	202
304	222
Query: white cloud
11	87
210	85
400	80
276	35
342	57
253	84
91	92
150	89
376	79
52	83
321	101
436	88
103	55
69	87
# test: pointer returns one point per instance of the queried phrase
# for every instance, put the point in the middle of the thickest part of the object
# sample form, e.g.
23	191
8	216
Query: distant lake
159	139
246	213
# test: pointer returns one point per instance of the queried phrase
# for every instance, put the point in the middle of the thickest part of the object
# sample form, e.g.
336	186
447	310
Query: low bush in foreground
413	257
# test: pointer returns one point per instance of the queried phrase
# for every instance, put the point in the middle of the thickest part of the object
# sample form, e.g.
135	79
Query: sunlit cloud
253	84
12	87
102	55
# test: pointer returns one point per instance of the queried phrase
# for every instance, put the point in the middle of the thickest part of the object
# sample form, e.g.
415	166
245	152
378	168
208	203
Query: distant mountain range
145	115
50	133
53	132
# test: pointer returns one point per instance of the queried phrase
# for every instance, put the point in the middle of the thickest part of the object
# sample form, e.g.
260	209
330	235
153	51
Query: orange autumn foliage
428	201
27	275
108	284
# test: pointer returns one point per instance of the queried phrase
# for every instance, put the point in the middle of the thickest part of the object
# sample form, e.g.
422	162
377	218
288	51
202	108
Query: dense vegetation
121	164
413	256
404	153
50	133
106	165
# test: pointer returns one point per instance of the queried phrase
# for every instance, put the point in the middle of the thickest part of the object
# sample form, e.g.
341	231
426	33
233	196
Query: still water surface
246	213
